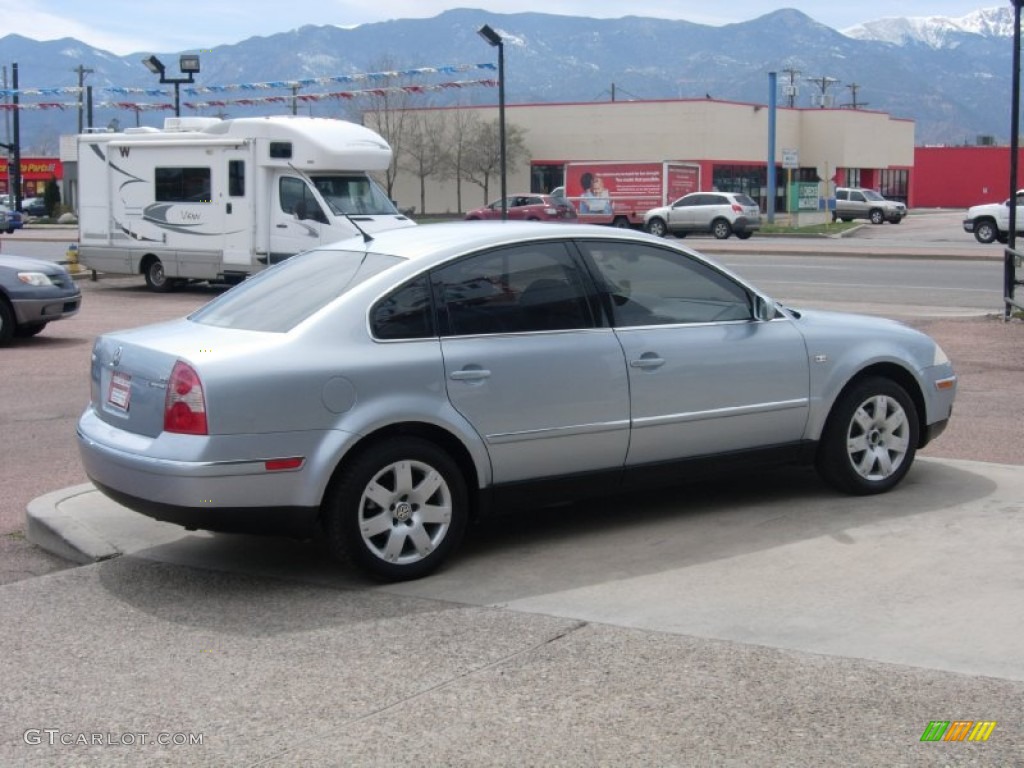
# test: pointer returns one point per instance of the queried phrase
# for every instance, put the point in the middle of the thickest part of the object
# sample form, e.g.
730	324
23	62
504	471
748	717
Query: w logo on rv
124	151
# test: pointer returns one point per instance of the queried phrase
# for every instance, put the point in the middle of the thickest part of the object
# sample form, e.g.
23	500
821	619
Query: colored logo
958	730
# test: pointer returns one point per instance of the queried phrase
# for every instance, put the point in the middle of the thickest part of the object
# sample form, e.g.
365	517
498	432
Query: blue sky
132	26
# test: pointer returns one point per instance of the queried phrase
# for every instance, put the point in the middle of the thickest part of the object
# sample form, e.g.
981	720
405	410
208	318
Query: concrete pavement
771	624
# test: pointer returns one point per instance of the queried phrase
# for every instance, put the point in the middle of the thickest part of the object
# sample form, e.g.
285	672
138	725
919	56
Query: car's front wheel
657	227
985	231
7	322
877	217
398	510
870	439
721	229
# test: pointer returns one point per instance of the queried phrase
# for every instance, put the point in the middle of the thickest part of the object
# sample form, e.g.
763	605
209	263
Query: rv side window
182	185
281	150
297	200
236	178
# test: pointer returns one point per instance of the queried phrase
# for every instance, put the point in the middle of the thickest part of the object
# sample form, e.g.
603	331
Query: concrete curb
82	525
50	527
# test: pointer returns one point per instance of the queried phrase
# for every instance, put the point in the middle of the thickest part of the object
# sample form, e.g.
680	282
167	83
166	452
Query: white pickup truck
991	222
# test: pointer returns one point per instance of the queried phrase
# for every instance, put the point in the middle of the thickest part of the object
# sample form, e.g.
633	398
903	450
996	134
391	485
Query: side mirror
764	308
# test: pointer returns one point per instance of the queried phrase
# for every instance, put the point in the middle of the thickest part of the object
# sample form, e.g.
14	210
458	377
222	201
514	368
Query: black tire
156	279
360	530
24	331
620	222
870	439
985	231
657	227
721	229
6	322
744	235
877	216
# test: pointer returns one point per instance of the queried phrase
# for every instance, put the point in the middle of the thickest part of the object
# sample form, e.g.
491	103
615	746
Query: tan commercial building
727	140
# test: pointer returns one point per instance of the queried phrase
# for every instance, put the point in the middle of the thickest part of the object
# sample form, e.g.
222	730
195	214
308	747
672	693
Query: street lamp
188	63
494	39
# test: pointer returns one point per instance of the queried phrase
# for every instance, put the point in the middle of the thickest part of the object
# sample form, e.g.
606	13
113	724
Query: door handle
647	361
282	226
470	374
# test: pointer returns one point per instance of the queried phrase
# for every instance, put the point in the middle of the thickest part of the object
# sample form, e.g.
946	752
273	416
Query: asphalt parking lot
766	621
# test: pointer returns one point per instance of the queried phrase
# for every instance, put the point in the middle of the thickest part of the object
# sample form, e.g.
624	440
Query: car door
705	376
681	214
527	365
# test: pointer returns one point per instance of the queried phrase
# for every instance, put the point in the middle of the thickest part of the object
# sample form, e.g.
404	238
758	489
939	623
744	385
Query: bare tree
483	156
462	126
387	112
423	149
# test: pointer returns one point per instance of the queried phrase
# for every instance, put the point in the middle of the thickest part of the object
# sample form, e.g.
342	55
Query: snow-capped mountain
936	31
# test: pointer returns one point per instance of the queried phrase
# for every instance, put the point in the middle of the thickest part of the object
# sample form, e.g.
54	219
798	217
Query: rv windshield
353	195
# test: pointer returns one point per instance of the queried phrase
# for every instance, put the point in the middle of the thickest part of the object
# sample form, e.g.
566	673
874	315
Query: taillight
736	208
185	405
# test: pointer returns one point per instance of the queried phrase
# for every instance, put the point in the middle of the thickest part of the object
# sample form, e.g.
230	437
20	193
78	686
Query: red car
528	207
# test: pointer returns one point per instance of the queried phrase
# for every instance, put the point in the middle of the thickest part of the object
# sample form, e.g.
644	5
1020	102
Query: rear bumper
296	522
224	485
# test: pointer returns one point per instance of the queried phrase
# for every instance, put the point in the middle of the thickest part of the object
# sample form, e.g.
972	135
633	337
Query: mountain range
951	76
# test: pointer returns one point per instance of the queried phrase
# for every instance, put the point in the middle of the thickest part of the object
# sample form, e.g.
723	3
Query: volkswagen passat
385	391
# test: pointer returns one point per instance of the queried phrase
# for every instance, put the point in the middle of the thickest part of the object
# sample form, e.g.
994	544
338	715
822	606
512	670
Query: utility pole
14	165
823	83
791	90
854	87
82	72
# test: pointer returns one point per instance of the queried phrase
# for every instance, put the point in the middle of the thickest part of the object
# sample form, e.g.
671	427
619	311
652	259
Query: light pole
188	63
494	39
1010	257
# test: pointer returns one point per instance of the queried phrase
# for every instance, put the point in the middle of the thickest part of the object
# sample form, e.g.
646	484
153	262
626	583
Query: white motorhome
210	199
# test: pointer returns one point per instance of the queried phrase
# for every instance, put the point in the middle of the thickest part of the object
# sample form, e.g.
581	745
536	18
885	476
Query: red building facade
35	172
959	177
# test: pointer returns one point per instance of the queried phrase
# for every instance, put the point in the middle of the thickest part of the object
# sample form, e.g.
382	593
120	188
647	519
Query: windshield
281	297
870	194
353	194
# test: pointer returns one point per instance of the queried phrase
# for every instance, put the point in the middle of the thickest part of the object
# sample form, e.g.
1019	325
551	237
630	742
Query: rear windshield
744	200
281	297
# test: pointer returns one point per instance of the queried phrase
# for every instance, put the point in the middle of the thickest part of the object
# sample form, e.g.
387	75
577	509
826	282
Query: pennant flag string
303	83
249	102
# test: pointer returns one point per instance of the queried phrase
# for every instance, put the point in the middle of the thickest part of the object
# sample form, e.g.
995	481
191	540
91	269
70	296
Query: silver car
721	214
386	392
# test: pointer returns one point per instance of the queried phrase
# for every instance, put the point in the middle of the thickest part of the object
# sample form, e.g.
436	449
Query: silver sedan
385	391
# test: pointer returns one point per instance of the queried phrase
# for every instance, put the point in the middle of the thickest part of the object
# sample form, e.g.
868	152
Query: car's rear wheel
877	217
6	322
721	229
657	227
985	231
870	439
621	222
398	510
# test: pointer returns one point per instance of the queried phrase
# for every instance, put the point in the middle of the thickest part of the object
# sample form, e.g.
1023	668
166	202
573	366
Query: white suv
720	213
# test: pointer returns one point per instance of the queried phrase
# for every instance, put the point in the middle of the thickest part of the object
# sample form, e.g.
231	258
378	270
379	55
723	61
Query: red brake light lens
737	208
185	405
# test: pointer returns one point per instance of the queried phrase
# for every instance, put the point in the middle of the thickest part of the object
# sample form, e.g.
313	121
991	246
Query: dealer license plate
119	394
